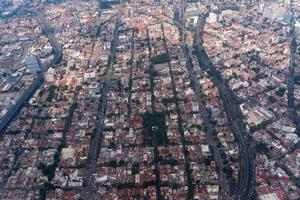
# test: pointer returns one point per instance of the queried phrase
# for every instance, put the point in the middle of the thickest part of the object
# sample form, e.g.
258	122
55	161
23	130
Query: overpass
247	165
38	82
48	31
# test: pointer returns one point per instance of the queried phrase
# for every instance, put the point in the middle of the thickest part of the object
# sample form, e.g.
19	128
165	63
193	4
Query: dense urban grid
142	99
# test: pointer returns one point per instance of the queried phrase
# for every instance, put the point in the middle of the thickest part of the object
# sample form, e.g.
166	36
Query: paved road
223	182
224	186
293	48
49	33
247	180
91	165
99	26
39	81
188	170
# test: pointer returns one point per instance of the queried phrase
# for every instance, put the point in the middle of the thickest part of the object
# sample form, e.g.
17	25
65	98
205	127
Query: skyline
149	100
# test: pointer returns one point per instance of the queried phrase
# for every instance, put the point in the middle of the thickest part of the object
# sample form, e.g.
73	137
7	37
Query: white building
271	196
49	75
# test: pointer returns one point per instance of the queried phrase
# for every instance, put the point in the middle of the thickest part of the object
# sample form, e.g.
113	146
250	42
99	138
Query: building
192	16
49	75
271	196
32	65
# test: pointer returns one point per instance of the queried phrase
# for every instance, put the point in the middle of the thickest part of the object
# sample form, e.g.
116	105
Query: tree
207	161
160	59
135	169
280	92
228	171
49	171
261	147
43	191
113	164
41	166
121	162
272	99
297	80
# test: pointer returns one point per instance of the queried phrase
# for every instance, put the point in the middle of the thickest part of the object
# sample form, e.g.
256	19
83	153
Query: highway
17	107
291	73
38	82
247	164
209	129
48	31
